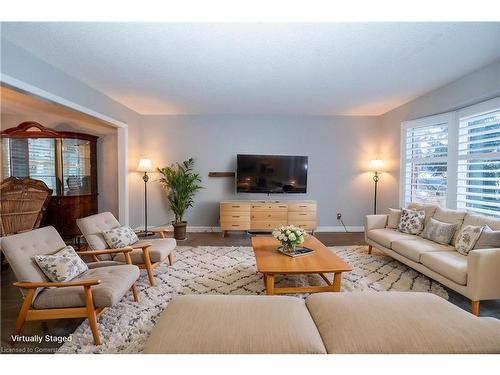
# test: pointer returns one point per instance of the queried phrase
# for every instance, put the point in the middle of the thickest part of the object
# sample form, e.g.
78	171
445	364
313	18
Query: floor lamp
376	166
145	166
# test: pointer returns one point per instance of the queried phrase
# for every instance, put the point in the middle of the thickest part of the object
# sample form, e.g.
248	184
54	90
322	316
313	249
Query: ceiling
283	68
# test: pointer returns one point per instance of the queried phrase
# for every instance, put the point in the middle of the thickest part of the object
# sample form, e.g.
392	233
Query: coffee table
270	262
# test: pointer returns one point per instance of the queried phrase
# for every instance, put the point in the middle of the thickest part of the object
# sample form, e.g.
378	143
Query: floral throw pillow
438	231
411	221
62	266
120	237
467	238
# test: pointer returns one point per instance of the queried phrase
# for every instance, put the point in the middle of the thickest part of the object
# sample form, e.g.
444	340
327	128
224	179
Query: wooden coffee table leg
269	279
337	280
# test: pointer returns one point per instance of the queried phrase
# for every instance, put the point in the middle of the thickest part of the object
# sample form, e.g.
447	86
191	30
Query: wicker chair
22	204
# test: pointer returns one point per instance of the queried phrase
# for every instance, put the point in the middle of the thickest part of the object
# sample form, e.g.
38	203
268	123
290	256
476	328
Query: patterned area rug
229	270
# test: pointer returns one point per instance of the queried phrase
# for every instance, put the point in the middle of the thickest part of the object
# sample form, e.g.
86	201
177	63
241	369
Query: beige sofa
476	276
362	322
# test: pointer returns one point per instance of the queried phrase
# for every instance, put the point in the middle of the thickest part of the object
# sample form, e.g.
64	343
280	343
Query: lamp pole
375	179
145	178
145	166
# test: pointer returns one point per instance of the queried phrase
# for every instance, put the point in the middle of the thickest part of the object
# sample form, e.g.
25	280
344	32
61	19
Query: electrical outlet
339	216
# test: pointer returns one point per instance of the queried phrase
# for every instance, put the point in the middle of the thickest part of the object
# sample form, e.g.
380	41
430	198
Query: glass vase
288	247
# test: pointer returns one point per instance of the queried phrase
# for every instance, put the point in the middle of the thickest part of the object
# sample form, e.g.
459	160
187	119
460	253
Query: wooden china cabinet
65	161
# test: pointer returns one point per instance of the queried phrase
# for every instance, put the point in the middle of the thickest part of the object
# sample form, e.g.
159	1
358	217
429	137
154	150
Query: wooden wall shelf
221	174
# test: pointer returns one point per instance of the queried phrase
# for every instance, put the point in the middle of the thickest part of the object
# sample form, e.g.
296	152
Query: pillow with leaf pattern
411	221
120	237
62	266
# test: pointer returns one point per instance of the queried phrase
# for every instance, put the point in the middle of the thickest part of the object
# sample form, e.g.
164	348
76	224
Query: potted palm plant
181	184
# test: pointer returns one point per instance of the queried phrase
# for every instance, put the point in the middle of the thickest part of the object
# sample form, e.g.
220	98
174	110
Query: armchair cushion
115	282
64	265
20	249
159	250
93	226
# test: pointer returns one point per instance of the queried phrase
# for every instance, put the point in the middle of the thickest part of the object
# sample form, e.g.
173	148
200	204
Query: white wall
473	88
339	149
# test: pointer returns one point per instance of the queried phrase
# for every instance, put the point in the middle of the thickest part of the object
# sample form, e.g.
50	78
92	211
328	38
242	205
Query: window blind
478	175
426	152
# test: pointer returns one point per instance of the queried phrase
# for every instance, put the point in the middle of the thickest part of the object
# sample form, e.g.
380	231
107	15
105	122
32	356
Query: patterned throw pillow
439	232
467	238
120	237
64	265
411	221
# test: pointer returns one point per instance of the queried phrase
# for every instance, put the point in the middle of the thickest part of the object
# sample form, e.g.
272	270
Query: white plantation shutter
425	160
453	159
478	174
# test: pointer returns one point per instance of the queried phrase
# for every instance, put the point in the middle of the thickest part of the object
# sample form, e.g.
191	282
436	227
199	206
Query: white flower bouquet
290	236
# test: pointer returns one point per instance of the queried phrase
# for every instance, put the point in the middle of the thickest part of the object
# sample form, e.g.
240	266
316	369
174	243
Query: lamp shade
376	165
145	165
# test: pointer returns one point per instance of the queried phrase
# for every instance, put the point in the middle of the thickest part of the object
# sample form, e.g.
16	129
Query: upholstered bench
235	324
400	322
364	322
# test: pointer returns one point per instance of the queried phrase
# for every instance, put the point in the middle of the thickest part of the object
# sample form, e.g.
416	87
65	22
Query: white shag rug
125	327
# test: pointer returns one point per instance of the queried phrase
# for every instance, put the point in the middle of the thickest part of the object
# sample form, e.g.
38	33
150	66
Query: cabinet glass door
30	157
76	167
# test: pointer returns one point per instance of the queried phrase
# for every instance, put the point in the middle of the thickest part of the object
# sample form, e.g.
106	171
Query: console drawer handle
235	225
235	216
235	206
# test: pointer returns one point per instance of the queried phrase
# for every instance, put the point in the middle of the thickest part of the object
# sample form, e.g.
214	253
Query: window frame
444	118
453	119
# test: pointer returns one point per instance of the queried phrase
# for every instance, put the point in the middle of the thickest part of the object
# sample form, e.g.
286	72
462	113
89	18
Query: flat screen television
271	174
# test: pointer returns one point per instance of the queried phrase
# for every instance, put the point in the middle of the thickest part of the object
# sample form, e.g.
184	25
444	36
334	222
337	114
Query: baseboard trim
201	229
339	228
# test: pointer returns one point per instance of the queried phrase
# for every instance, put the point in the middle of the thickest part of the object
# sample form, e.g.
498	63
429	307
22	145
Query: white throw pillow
120	237
411	222
489	239
439	232
62	266
393	218
467	238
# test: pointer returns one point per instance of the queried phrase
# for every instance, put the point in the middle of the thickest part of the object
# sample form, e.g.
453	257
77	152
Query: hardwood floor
11	298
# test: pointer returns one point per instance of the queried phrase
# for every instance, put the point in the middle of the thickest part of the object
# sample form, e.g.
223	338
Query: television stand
261	215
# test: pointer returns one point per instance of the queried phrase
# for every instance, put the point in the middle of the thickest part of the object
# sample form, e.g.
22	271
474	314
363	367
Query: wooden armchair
146	254
88	295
